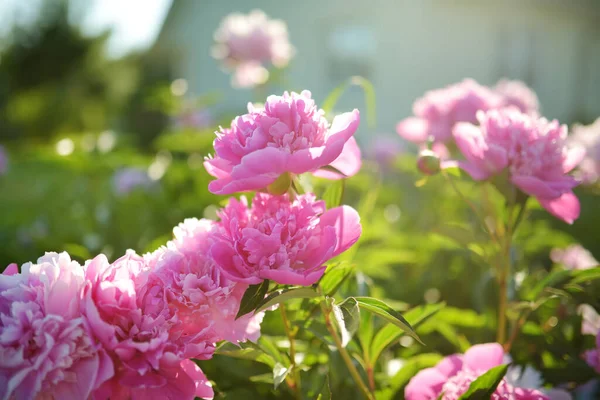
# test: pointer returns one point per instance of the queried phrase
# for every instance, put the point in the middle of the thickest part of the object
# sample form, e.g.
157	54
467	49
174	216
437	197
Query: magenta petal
574	157
534	186
204	389
346	222
344	126
468	138
426	385
413	129
223	255
474	171
483	357
348	162
450	365
218	167
566	207
12	269
287	277
313	158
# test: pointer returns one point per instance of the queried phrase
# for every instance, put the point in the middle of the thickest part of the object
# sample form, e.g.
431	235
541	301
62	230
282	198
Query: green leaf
325	390
554	278
249	353
253	296
334	193
365	333
334	277
347	316
390	333
386	312
483	387
279	296
279	374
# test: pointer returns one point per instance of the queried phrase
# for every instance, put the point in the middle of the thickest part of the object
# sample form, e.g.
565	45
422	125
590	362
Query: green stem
503	274
293	367
345	356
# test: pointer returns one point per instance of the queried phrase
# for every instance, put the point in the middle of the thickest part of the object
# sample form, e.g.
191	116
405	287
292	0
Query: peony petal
343	126
468	138
288	277
413	129
450	365
223	255
566	207
483	357
534	186
348	162
204	389
474	171
311	159
346	222
574	156
11	269
426	385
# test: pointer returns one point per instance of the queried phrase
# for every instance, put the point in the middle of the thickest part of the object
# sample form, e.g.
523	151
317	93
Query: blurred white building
405	47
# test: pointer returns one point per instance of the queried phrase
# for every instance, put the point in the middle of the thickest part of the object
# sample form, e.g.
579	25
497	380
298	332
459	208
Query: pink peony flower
204	297
252	41
128	310
452	376
518	94
286	241
439	110
574	256
588	137
46	347
530	150
290	135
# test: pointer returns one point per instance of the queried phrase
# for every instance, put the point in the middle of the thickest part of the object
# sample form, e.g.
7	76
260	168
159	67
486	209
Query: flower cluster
452	376
131	329
574	256
531	152
249	43
440	110
588	137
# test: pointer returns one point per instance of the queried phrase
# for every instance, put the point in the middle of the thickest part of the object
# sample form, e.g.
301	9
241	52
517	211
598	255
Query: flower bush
451	273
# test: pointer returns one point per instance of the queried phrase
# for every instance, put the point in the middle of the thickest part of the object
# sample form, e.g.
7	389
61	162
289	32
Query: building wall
405	47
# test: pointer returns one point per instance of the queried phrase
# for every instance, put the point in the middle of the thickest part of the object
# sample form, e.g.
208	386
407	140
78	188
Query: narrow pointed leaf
279	296
334	193
484	386
279	374
334	277
386	312
347	316
253	296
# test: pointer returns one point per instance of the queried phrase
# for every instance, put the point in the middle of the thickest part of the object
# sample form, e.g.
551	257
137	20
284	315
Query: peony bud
428	162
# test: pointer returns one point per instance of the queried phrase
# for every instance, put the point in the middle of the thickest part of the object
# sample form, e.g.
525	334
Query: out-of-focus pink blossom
453	375
439	110
384	149
588	137
3	160
204	297
249	43
129	312
46	347
194	119
531	150
517	94
590	319
574	256
289	135
592	357
286	241
128	179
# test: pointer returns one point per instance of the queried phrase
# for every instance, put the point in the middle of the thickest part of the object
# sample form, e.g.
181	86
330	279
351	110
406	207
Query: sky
135	23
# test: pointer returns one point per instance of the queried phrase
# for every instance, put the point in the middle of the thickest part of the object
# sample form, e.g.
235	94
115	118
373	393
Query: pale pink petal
426	385
344	126
287	277
12	269
413	129
204	389
566	207
534	186
450	365
348	162
482	357
346	222
574	156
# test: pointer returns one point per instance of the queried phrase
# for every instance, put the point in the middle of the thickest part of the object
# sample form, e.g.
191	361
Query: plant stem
345	356
503	273
295	373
